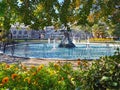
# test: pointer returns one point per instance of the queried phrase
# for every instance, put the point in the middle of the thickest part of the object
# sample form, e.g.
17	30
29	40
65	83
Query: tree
106	11
66	18
4	20
8	13
40	13
7	16
116	32
109	9
99	31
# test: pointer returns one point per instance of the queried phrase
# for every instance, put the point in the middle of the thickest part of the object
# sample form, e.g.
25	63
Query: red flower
5	80
14	76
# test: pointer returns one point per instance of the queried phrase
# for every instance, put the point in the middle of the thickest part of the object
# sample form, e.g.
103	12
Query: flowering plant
86	75
101	40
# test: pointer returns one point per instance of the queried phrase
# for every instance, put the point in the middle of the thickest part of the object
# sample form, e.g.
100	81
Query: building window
20	32
14	32
25	32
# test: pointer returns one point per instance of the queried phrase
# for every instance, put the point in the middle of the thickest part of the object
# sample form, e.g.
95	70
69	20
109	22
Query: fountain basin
82	51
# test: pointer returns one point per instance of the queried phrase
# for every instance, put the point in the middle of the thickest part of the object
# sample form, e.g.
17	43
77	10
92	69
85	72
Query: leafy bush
100	74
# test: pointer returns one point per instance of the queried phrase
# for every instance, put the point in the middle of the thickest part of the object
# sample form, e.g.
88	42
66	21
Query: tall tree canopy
8	10
40	13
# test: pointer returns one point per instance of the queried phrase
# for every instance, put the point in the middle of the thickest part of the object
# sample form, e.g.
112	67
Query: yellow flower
35	83
1	84
58	62
16	69
7	66
51	72
3	64
27	79
79	62
24	67
32	66
56	65
62	78
14	76
59	82
72	79
34	73
69	65
40	67
85	64
5	80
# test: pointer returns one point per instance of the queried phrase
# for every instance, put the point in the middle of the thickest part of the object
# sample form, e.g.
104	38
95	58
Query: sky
61	0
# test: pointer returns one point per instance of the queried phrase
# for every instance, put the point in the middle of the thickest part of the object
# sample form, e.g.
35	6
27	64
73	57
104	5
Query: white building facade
48	32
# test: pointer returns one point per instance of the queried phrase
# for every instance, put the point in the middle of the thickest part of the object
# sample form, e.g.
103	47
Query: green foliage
103	74
116	17
6	23
40	13
84	12
2	8
99	31
100	74
116	32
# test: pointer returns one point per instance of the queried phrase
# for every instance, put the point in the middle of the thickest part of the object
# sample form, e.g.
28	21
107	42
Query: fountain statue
66	41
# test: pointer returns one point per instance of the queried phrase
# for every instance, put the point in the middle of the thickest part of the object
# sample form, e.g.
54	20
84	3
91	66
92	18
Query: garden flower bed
101	74
99	40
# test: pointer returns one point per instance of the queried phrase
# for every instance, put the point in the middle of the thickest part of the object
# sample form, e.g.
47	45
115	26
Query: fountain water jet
88	42
48	40
54	47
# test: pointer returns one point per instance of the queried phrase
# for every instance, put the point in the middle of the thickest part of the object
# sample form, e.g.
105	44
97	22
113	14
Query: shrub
101	74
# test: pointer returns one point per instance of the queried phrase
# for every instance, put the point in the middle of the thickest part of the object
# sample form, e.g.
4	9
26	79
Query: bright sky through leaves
60	0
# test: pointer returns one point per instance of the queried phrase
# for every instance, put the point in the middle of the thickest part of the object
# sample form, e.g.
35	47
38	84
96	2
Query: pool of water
82	51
